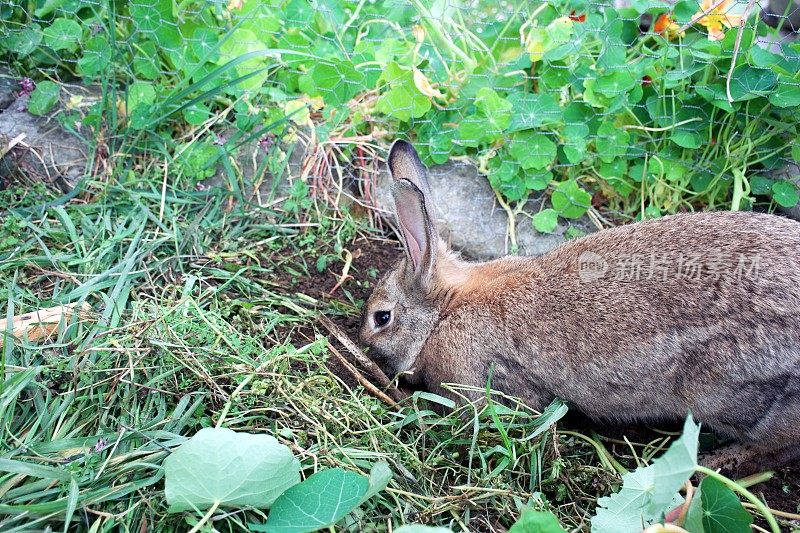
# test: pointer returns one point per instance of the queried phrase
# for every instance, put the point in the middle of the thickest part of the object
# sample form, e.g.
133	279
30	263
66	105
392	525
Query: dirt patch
371	258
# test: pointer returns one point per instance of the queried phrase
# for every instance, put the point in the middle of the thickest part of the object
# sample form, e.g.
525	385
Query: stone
469	217
37	148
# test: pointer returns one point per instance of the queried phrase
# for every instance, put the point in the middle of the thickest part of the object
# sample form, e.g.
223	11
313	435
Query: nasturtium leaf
403	100
155	20
62	34
570	200
25	40
96	56
686	139
140	93
796	151
536	522
318	502
205	44
230	469
545	221
497	110
760	184
787	94
145	61
472	130
722	510
785	193
240	43
612	141
649	492
531	110
337	83
685	10
615	83
749	82
196	114
43	98
532	149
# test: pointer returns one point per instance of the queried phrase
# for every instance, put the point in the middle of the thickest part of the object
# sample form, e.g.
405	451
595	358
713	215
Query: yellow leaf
424	86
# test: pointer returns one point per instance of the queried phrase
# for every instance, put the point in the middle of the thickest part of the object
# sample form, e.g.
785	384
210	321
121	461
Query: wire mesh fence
639	108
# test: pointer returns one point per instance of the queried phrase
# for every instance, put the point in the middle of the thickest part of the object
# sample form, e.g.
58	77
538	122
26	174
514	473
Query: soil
782	492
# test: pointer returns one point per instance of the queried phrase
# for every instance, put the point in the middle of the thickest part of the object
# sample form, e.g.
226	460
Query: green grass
195	323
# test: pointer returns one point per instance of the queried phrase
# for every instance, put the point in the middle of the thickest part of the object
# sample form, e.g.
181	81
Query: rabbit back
640	322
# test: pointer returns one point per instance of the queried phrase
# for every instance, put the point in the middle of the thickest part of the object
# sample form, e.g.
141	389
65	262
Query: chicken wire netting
643	107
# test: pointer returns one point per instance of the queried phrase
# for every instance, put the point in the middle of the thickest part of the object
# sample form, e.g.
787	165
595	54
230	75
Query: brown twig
736	46
383	381
372	389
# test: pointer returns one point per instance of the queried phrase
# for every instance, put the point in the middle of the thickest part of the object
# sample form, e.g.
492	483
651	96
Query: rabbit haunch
642	322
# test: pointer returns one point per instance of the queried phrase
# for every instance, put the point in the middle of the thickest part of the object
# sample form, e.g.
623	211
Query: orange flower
717	17
667	27
577	18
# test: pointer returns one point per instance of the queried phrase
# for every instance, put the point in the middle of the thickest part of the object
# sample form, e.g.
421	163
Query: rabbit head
402	310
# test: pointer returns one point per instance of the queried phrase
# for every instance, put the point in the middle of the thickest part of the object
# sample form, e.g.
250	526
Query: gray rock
42	150
250	159
775	12
469	217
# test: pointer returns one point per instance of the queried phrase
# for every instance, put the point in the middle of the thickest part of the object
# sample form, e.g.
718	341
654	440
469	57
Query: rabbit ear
404	164
417	229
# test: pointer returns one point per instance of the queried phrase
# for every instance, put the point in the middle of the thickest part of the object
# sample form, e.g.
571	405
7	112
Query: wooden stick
372	389
41	323
383	381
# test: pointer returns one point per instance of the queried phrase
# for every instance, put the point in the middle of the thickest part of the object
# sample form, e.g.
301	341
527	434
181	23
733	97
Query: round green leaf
318	502
24	41
612	142
748	82
536	522
96	56
570	200
546	220
403	100
532	149
337	83
497	110
155	20
787	94
62	34
531	110
785	193
686	139
142	94
239	43
43	98
229	469
722	510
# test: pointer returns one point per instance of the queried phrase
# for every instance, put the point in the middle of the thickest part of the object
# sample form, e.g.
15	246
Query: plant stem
205	519
763	509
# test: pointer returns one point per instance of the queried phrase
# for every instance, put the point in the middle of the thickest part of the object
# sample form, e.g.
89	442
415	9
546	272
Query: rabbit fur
639	323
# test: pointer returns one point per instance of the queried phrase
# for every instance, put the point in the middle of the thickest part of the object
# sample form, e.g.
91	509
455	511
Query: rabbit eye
382	317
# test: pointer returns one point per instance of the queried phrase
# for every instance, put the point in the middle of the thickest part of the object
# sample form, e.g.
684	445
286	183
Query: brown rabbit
642	322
